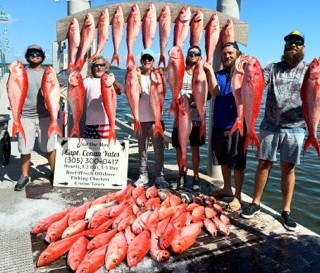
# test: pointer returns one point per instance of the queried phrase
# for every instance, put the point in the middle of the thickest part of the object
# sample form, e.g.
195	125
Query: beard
292	58
228	64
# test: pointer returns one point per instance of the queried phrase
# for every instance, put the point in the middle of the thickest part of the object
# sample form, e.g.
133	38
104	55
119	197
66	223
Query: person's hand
207	67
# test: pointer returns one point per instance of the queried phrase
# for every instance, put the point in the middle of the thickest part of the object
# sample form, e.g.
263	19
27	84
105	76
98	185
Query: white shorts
34	127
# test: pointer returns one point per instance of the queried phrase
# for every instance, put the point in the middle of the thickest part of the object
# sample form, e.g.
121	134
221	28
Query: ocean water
306	198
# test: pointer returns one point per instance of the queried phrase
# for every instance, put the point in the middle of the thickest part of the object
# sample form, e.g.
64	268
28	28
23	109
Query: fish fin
17	127
54	127
162	59
115	57
238	124
130	58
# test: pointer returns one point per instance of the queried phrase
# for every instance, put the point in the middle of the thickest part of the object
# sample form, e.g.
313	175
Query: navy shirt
225	110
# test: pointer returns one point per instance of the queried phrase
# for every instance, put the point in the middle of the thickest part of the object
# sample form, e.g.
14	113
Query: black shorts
194	137
228	150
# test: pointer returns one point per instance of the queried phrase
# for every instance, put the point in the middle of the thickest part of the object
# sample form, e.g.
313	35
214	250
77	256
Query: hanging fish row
80	41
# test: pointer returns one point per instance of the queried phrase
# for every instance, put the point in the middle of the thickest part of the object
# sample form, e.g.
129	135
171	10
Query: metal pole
232	8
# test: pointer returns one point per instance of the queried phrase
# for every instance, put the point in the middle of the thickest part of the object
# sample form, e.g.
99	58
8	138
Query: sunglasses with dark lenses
99	65
194	53
147	58
34	54
296	42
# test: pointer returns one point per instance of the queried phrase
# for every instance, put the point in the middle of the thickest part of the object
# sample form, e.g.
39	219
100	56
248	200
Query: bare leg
25	164
195	159
226	173
51	159
260	180
287	184
238	179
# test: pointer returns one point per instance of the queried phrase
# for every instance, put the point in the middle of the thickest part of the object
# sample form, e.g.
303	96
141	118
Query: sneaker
180	183
161	182
250	210
142	180
288	222
22	182
195	183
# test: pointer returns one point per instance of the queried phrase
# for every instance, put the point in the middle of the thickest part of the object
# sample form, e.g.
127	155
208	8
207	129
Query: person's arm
213	87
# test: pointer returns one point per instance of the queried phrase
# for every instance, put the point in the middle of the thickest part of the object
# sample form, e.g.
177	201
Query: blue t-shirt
224	109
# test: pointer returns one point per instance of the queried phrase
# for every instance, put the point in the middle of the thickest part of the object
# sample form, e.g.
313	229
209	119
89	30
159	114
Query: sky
34	21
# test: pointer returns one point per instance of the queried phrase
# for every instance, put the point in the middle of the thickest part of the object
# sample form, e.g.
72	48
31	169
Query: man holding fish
151	102
35	118
283	126
228	146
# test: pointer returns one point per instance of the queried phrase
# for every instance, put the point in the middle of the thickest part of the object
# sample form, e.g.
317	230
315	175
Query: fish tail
130	58
311	141
115	57
158	129
70	67
238	125
75	131
17	127
162	59
112	136
79	64
54	127
137	127
92	57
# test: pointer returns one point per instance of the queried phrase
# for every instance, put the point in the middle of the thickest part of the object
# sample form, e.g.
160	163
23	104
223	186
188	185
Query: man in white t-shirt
147	120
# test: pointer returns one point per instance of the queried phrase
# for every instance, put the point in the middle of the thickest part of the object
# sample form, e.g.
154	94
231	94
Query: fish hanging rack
240	27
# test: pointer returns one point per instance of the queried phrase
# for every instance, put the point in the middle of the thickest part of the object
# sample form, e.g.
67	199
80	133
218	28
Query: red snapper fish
87	37
103	32
138	248
117	33
74	38
212	33
236	83
200	93
176	69
109	100
181	27
227	32
164	32
51	90
149	26
196	28
251	96
116	251
77	252
156	100
76	96
184	125
310	96
133	29
133	91
17	87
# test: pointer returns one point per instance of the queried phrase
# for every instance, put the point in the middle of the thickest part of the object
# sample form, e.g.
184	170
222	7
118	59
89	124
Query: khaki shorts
35	127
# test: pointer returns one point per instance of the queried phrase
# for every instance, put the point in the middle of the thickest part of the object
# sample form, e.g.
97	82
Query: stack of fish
127	225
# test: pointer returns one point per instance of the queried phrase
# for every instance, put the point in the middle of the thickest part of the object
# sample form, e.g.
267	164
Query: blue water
306	198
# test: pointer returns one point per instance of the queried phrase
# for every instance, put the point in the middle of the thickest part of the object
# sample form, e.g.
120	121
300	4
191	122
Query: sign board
91	163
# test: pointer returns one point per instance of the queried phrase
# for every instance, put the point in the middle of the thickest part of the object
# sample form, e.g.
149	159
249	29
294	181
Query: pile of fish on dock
127	225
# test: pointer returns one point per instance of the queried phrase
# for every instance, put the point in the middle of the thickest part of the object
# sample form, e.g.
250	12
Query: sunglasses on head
194	53
34	54
99	65
296	42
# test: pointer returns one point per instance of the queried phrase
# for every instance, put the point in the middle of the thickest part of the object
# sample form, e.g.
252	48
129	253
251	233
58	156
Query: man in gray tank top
35	118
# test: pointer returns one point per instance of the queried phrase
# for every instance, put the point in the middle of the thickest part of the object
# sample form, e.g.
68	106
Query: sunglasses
34	54
99	65
147	59
296	42
194	53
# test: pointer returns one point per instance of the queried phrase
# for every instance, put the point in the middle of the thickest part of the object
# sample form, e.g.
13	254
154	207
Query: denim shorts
288	143
34	127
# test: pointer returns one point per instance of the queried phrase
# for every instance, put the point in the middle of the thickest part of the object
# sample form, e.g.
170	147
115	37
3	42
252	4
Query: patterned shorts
97	131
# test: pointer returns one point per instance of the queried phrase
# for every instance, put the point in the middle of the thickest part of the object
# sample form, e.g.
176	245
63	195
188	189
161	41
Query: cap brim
293	36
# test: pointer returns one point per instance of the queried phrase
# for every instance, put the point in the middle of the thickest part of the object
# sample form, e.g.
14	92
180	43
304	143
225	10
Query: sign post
91	163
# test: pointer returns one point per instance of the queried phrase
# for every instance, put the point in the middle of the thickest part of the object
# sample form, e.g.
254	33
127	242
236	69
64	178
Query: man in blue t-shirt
227	148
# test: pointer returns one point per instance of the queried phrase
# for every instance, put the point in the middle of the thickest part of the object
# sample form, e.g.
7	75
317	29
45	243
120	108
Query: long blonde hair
90	72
